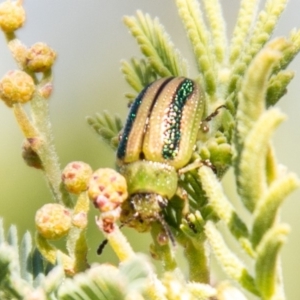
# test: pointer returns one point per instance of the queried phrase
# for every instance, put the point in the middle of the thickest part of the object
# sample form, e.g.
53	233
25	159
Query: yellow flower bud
12	16
16	86
40	57
107	189
76	176
53	221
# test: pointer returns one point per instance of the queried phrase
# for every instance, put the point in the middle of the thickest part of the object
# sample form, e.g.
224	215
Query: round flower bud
76	176
46	90
53	221
107	189
40	57
12	16
16	86
30	157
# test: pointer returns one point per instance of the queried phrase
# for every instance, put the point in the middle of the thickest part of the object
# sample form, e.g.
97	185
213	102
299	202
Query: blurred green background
91	40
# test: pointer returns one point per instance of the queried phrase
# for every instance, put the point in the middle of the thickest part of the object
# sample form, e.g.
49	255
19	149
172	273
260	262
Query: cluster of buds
35	59
53	221
75	177
39	58
18	86
107	190
12	16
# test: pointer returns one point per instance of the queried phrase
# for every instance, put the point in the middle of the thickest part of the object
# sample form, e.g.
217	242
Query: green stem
51	253
40	128
47	151
39	135
196	255
76	240
164	252
10	36
24	123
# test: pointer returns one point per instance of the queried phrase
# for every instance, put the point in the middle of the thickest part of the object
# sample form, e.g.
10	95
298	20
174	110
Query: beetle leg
212	115
194	165
204	123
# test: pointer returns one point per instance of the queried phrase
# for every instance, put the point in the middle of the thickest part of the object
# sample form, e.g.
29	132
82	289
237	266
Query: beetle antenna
102	246
166	229
159	218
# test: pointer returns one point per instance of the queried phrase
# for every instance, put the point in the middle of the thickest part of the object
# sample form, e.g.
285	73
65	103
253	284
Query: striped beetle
158	139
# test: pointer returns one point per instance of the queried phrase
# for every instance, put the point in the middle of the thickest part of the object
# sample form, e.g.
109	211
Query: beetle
158	140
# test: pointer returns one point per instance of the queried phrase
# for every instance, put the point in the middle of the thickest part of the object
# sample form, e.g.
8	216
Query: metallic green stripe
172	121
130	147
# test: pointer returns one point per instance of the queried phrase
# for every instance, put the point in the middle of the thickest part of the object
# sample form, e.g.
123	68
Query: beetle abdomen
163	122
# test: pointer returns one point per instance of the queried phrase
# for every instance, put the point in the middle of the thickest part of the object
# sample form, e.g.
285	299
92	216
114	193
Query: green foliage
25	274
107	127
156	45
241	84
108	282
23	269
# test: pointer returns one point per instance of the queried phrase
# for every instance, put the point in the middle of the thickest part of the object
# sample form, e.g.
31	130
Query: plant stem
164	252
46	152
196	255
